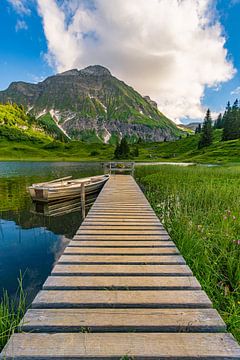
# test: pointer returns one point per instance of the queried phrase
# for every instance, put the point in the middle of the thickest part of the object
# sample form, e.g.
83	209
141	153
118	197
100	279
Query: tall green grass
200	207
11	313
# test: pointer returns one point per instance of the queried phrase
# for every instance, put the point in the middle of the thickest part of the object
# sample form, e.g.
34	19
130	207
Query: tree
117	151
231	122
135	152
198	129
207	131
122	150
219	122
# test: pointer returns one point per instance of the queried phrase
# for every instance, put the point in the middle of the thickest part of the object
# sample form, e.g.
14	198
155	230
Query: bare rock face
92	101
95	70
152	102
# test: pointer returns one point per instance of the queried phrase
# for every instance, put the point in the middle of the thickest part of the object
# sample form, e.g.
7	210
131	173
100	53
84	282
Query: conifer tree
207	131
231	122
117	152
122	150
198	129
219	122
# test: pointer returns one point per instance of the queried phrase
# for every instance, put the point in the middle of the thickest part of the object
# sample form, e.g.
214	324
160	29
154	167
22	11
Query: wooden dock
121	290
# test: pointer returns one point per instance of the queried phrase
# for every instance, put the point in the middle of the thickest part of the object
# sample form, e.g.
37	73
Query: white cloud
21	25
236	91
168	49
20	6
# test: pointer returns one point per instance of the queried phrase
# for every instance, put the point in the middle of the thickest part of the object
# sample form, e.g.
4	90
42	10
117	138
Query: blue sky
25	43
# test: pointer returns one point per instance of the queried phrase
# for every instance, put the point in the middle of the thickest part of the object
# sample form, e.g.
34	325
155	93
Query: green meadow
46	149
200	208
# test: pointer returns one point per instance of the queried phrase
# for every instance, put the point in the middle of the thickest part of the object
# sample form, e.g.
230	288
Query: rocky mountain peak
96	70
71	72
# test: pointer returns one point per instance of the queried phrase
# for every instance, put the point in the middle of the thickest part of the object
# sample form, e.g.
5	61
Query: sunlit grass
200	207
11	313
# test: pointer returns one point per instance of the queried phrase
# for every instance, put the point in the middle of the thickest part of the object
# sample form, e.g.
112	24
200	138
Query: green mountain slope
187	150
16	124
92	100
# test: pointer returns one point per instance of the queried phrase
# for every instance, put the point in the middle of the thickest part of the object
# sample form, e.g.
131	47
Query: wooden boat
66	188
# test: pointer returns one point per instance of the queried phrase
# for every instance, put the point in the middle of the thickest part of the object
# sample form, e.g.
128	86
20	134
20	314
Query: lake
30	243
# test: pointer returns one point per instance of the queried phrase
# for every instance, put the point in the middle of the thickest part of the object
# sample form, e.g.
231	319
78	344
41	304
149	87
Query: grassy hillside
22	137
187	150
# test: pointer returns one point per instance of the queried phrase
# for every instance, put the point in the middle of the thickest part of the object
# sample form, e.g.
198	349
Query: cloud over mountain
168	49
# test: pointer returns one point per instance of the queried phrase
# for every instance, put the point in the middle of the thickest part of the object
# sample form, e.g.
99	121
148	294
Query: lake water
30	242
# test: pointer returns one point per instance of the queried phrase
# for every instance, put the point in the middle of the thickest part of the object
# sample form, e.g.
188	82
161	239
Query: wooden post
83	200
133	168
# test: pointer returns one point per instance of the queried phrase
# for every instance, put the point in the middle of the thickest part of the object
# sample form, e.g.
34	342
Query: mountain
92	105
193	125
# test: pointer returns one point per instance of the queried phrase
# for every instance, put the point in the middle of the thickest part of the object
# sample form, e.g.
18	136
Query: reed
11	313
200	208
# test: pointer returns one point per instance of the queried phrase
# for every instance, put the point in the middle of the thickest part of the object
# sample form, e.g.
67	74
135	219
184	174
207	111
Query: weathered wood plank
121	232
121	299
124	270
128	227
122	244
110	222
164	346
112	216
123	237
121	283
121	251
121	259
112	320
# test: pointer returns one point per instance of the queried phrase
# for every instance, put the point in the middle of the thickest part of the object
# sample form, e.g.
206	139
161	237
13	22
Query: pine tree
117	152
122	150
207	131
219	122
198	129
135	152
231	122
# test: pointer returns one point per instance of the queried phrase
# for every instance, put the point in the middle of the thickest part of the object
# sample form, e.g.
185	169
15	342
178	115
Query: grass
11	313
22	146
200	209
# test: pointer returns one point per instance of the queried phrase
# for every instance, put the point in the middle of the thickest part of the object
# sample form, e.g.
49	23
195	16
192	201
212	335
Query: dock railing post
83	203
133	168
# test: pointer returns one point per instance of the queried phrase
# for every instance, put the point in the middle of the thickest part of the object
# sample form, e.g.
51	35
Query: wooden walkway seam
121	290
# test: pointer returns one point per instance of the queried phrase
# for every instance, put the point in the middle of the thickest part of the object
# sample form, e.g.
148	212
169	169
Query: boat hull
45	194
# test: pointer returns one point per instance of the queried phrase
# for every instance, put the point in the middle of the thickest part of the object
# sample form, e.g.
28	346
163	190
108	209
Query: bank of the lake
199	206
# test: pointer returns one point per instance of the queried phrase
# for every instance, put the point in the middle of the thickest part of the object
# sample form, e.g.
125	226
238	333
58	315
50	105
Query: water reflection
30	241
58	208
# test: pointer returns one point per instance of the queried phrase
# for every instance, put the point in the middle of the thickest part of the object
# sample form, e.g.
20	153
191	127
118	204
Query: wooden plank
122	211
123	221
121	251
164	346
112	320
128	227
121	259
113	216
121	244
121	299
121	283
128	232
124	237
124	270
